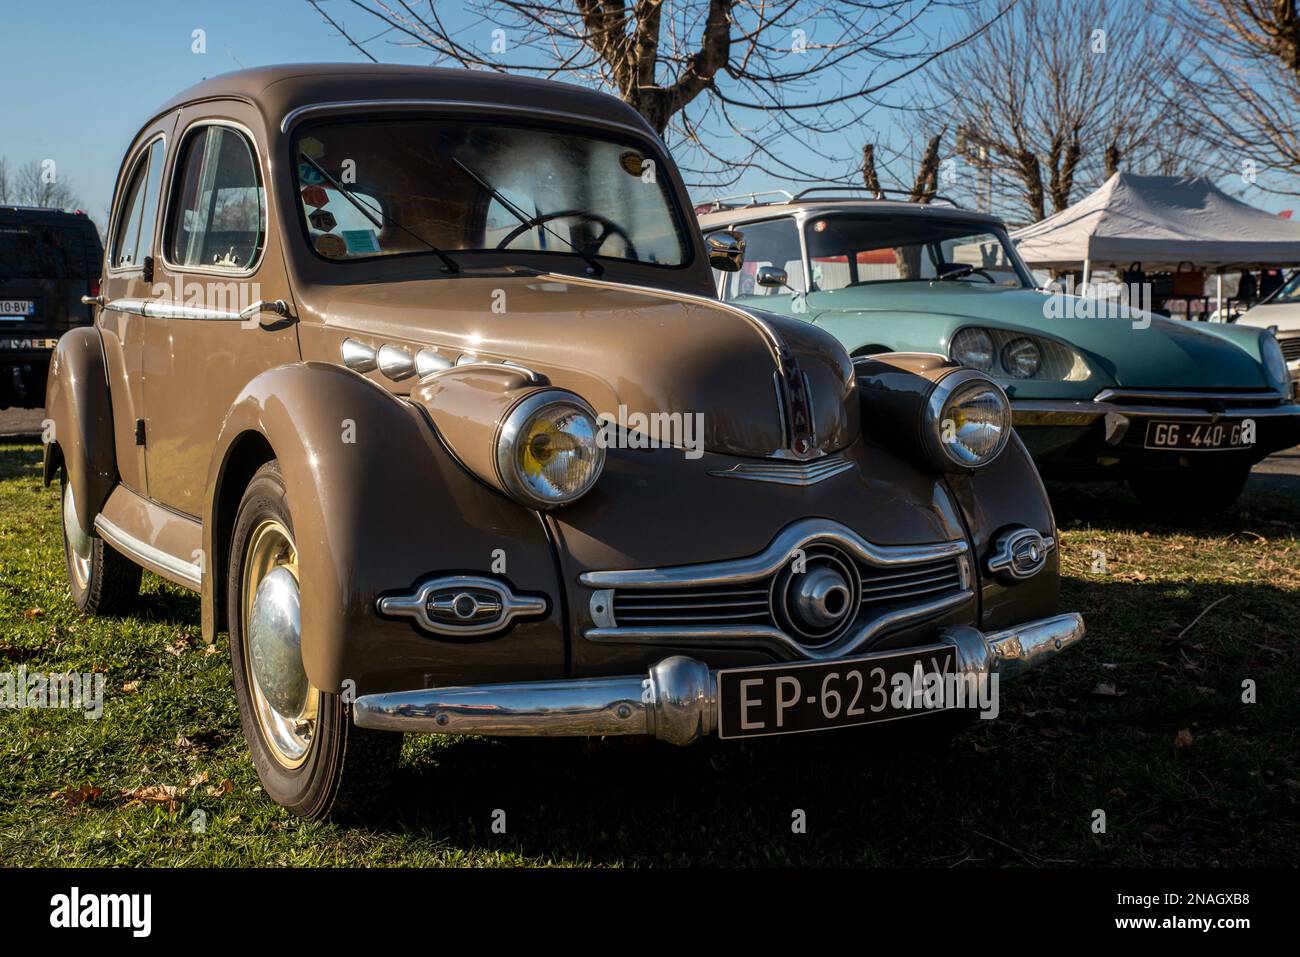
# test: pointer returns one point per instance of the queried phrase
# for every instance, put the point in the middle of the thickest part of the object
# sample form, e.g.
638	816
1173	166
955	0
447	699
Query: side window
218	213
774	243
133	237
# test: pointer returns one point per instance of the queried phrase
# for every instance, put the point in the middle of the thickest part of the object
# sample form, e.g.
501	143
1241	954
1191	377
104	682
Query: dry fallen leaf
1105	689
153	793
35	612
222	789
86	794
130	687
199	779
1184	738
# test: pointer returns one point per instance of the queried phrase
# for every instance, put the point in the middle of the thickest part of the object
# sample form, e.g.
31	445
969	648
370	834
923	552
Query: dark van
49	259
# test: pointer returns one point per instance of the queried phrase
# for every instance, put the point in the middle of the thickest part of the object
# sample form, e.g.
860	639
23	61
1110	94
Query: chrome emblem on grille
1019	553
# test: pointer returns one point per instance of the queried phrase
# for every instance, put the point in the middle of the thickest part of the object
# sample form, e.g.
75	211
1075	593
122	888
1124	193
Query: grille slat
911	593
948	576
1290	348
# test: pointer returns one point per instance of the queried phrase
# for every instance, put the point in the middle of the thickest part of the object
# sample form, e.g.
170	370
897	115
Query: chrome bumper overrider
676	702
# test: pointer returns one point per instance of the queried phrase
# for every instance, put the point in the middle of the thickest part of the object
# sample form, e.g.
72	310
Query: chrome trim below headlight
455	605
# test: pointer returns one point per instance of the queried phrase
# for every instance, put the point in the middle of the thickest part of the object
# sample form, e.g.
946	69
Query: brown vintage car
419	379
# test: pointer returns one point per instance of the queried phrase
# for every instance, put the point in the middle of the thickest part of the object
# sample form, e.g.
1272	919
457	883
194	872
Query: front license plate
818	696
1195	436
17	308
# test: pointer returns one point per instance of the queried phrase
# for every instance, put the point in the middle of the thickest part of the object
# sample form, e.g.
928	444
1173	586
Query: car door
219	254
126	286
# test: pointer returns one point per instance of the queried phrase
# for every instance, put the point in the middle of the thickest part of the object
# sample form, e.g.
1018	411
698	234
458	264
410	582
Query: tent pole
1218	284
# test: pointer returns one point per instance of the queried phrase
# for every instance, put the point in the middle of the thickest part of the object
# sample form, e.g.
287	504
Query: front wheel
309	755
1203	490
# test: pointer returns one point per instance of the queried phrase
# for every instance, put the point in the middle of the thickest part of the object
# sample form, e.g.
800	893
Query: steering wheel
608	228
966	269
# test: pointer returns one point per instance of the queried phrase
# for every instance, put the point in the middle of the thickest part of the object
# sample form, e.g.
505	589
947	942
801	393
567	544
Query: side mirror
772	277
726	250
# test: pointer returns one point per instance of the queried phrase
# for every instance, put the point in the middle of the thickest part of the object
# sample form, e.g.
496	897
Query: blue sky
78	82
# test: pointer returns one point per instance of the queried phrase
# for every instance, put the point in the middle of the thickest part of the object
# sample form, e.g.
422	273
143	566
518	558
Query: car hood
1284	315
1166	354
759	381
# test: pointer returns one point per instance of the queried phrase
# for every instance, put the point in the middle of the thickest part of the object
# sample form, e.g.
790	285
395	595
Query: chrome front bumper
676	702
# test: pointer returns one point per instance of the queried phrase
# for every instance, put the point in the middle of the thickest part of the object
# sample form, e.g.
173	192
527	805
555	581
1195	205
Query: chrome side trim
770	560
416	605
675	701
427	362
786	472
395	362
147	554
1111	395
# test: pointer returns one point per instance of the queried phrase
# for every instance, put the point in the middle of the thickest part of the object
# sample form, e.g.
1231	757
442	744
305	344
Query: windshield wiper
593	266
364	210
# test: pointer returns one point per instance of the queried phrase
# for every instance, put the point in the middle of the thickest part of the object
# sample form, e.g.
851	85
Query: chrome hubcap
283	698
79	543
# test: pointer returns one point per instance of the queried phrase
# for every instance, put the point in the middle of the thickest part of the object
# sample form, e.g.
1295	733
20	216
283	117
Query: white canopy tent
1161	222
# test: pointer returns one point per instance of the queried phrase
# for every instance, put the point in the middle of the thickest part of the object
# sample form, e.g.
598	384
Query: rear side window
218	215
133	237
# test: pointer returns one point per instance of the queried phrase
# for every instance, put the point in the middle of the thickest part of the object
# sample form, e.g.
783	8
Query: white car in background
1281	312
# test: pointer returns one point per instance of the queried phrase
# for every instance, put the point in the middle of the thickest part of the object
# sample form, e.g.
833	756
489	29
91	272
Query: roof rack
731	202
882	194
734	202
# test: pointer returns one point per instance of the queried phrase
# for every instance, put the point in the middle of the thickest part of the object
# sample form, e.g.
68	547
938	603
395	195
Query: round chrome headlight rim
952	387
514	426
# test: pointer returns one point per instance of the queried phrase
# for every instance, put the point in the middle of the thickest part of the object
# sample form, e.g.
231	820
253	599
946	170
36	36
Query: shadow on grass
1095	729
20	461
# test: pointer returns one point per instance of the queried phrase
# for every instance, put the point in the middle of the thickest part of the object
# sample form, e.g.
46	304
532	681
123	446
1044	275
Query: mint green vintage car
1099	391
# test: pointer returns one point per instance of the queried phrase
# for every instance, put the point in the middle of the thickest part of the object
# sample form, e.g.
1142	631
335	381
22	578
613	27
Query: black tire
1187	493
108	582
345	768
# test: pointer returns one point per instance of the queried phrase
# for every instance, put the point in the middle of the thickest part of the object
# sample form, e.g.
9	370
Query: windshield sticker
307	174
323	220
312	147
361	241
315	197
328	244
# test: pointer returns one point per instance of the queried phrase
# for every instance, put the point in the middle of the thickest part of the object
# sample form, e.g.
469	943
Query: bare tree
733	85
1059	95
35	184
1242	83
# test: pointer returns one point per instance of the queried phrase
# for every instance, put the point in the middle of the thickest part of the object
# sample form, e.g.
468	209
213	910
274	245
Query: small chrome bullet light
358	356
395	362
427	362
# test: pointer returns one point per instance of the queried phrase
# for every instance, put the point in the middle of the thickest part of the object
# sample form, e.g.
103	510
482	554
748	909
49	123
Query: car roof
278	90
723	213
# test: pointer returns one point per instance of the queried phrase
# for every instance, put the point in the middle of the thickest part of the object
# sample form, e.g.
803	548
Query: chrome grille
748	602
1290	347
697	605
784	472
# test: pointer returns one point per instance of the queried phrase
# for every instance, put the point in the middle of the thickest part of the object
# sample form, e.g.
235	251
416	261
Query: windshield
428	183
1289	292
857	249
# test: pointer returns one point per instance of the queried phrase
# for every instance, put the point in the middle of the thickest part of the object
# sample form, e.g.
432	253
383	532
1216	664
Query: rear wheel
309	755
101	580
1205	490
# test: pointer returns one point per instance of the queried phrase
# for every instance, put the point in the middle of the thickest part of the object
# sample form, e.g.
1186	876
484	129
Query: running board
161	540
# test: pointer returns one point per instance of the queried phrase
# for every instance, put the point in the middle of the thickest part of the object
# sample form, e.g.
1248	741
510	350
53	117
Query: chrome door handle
276	306
93	301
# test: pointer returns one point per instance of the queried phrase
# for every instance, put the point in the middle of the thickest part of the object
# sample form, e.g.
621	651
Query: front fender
80	406
377	505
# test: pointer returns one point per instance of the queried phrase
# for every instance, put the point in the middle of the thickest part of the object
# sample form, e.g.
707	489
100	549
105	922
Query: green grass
1017	791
